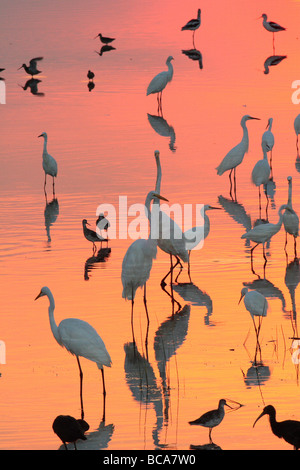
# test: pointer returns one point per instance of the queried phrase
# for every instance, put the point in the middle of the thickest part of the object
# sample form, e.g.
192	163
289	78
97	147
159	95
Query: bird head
243	293
98	35
23	65
85	222
44	134
224	403
169	59
42	293
268	410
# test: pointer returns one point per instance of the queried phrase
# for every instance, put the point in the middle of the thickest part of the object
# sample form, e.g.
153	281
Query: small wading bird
80	339
262	233
212	418
159	83
49	163
91	235
235	156
290	219
192	25
271	26
137	263
90	75
261	174
70	429
288	430
102	223
268	140
104	40
31	69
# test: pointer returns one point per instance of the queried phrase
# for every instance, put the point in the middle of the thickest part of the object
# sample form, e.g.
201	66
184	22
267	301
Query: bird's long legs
251	251
132	328
104	394
81	377
148	321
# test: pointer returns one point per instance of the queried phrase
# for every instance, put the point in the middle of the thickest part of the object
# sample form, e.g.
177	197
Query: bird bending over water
69	429
193	24
288	430
160	81
212	418
80	339
49	163
31	69
235	156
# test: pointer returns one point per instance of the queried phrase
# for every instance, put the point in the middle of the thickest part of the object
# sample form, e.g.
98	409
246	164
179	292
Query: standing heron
235	156
297	131
291	219
261	174
268	140
49	163
262	233
170	236
192	25
159	83
69	429
257	305
272	27
288	430
31	69
212	418
80	339
103	39
137	263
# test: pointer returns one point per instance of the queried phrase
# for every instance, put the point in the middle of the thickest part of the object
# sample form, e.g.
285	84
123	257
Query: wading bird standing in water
159	83
49	163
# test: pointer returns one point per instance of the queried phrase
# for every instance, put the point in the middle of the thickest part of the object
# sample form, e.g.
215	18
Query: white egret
271	26
262	233
170	236
104	40
69	429
49	163
290	218
212	418
91	235
288	430
196	235
193	24
257	305
235	156
297	130
269	140
160	81
80	339
261	173
31	69
137	263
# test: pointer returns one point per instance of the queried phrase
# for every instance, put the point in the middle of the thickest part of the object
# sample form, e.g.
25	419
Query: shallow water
104	143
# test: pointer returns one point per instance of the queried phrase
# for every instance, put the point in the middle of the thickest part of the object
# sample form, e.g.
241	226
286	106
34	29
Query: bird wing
34	61
261	172
81	339
158	83
233	158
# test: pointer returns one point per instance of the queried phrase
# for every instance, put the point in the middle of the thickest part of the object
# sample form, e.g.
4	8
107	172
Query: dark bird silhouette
91	235
288	430
69	429
212	418
104	39
31	69
90	75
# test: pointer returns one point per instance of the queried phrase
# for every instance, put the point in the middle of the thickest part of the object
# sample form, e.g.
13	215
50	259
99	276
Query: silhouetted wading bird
80	339
297	131
193	24
31	69
69	429
90	75
236	155
104	40
91	235
49	163
159	83
288	430
271	26
212	418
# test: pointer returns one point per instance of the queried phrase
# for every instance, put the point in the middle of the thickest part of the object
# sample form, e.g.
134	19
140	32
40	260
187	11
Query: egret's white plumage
261	171
79	338
49	163
31	69
290	217
297	130
257	305
268	140
160	81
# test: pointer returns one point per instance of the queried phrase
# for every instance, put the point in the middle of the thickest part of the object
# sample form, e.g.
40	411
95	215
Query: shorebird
69	429
91	235
212	418
271	26
90	75
31	69
288	430
104	40
193	24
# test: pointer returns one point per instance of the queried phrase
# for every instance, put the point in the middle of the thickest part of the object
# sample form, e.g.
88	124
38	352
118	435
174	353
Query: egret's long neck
170	71
290	194
45	145
245	138
158	180
53	325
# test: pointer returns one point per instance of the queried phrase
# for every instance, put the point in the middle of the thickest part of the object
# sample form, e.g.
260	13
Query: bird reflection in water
196	297
98	439
290	220
32	84
141	380
50	213
101	257
270	190
237	212
258	374
271	61
161	127
195	55
292	279
105	48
